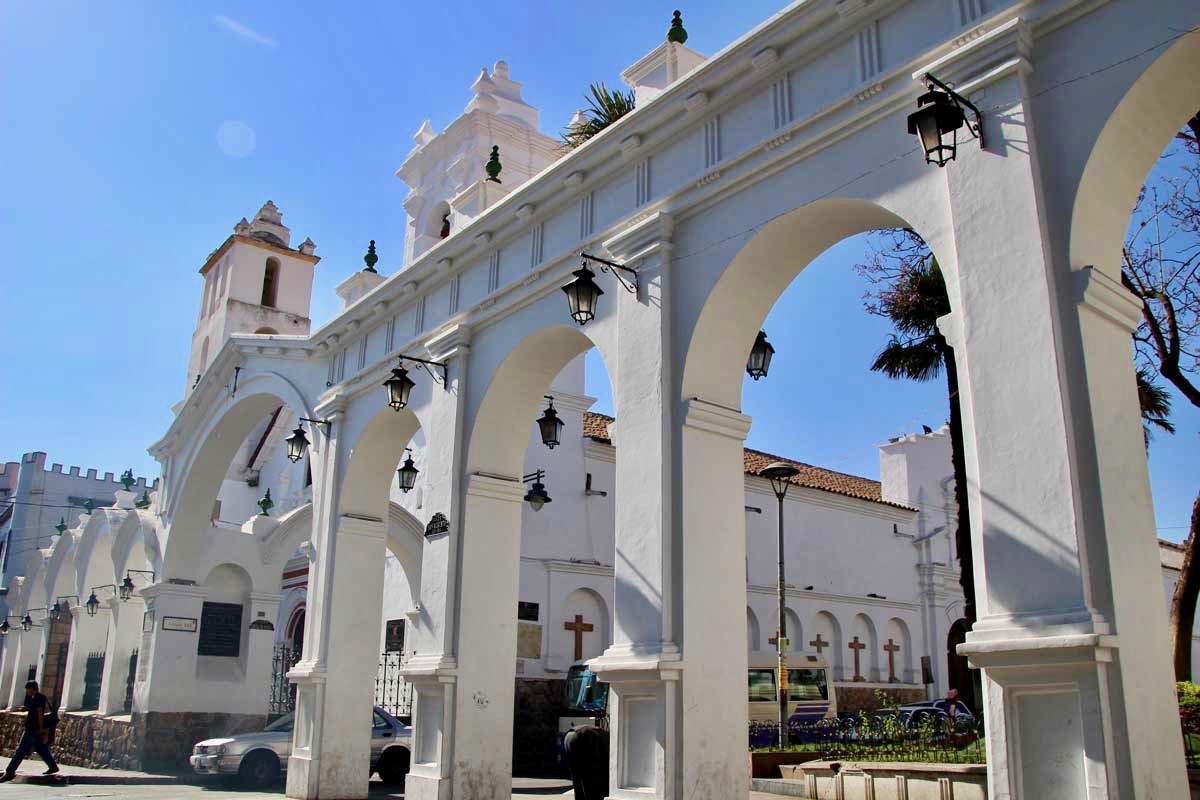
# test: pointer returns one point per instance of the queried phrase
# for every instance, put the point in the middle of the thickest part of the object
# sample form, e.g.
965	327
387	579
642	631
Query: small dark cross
819	643
579	628
892	648
857	646
773	640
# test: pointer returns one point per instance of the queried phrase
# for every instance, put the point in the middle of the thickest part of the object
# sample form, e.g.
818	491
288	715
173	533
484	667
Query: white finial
483	85
500	70
578	118
425	134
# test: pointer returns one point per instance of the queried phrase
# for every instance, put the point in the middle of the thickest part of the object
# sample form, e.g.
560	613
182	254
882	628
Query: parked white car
258	759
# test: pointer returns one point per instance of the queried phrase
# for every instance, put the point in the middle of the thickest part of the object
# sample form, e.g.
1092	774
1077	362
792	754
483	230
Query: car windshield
283	724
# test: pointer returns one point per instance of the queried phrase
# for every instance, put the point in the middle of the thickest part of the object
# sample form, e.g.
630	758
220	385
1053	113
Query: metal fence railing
883	736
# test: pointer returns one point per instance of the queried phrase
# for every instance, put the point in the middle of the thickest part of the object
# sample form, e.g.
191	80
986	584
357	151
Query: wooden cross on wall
819	643
892	648
857	647
579	628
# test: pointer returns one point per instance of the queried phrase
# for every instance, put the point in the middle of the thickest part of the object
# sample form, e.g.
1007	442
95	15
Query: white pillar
88	635
335	683
1070	631
18	656
124	633
166	679
643	664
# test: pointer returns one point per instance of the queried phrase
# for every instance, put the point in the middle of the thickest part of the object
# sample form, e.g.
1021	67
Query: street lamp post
779	474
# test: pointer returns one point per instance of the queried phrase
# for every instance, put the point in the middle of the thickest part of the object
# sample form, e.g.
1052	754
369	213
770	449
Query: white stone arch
795	631
753	632
141	528
896	632
97	536
204	461
1145	117
862	628
826	625
59	578
590	605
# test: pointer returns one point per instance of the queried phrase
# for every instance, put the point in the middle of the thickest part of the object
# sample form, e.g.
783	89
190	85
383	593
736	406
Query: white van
810	691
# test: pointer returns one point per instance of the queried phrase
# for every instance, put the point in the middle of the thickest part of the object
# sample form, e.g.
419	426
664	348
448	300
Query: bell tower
253	283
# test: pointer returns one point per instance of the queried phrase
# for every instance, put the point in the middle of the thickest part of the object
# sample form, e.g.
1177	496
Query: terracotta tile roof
595	427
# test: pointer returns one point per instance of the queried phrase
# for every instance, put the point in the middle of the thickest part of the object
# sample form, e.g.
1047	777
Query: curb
98	780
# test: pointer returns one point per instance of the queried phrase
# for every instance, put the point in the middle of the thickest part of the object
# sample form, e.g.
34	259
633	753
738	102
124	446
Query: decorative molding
444	264
525	211
695	101
536	244
586	217
483	238
763	59
454	288
495	487
782	138
709	177
641	180
868	92
847	8
968	11
1106	297
712	141
643	238
419	317
970	35
493	271
574	179
630	143
710	417
781	101
983	60
868	51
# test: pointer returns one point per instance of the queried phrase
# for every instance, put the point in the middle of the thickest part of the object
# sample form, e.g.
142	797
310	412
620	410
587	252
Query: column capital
332	407
1106	297
495	487
643	239
706	416
452	342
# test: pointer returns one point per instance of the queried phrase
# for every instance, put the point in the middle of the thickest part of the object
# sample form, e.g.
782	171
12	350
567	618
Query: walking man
34	737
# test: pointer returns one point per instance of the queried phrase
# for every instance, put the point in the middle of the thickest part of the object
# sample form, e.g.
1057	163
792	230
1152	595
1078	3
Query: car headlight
219	750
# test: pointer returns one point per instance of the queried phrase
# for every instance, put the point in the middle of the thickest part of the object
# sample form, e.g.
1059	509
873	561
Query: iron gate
133	659
282	699
92	676
392	693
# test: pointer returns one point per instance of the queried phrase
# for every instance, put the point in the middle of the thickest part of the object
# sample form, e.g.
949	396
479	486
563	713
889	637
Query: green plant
604	108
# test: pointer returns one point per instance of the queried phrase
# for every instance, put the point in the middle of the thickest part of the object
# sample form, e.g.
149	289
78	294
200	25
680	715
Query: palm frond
604	108
1155	405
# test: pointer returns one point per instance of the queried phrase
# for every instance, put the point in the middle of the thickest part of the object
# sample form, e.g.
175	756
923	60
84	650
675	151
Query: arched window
439	221
203	357
270	283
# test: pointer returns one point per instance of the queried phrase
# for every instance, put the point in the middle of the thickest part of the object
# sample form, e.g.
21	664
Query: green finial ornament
493	165
370	257
61	527
88	505
144	500
266	504
127	479
677	34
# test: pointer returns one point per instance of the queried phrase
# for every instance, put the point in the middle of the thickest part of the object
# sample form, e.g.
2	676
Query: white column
432	667
88	634
166	679
643	663
16	660
124	634
1070	631
261	613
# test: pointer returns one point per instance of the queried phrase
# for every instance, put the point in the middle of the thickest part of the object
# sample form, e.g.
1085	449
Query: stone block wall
854	698
167	738
535	725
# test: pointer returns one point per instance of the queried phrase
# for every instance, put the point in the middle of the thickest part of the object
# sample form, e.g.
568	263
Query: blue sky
136	133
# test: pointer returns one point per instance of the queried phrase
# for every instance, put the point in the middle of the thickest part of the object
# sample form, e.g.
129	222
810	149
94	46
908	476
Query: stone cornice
706	416
833	597
495	487
1106	297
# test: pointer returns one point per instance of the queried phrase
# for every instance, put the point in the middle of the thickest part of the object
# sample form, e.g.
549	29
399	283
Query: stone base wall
535	725
156	742
855	698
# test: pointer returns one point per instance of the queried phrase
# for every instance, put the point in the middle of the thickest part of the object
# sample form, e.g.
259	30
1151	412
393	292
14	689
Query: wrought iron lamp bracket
974	128
613	267
427	365
325	422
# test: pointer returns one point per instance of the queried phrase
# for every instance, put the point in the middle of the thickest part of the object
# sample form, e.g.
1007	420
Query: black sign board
220	630
527	612
393	640
437	526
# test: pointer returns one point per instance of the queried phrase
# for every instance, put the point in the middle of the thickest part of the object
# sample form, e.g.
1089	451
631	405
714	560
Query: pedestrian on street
587	756
34	737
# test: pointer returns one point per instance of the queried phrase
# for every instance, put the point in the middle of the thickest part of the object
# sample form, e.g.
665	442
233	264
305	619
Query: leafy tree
1162	268
908	288
604	108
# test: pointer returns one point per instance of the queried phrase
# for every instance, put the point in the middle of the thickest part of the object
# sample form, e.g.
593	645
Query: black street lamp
62	605
297	443
27	623
583	294
550	425
400	386
536	496
759	362
938	116
5	628
407	473
125	590
93	602
779	474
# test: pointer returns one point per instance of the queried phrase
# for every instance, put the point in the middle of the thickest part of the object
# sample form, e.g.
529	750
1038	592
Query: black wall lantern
536	496
550	425
5	627
62	606
759	362
407	473
125	590
937	119
27	623
399	386
583	294
297	443
93	602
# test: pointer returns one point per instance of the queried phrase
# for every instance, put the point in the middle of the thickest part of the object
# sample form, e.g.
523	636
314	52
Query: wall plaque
147	622
184	624
437	526
529	640
393	640
527	612
220	630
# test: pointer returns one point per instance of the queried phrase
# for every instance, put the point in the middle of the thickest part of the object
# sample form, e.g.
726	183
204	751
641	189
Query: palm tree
1155	403
604	108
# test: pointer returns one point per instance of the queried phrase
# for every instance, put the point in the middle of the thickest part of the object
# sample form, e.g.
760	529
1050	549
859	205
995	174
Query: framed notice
393	640
220	630
183	624
148	622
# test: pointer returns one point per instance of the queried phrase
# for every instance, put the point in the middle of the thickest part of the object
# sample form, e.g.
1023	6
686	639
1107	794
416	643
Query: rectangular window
807	684
393	638
220	630
762	686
